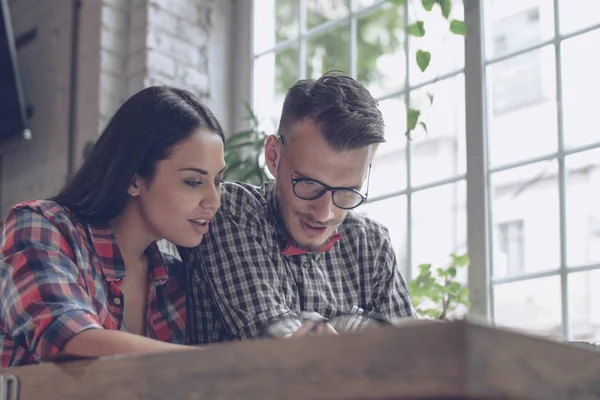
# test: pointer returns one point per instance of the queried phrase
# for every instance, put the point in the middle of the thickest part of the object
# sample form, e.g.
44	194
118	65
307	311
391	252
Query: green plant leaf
452	272
424	125
243	135
428	4
455	287
251	115
423	59
424	267
430	96
412	116
398	2
417	29
446	6
460	261
235	146
458	27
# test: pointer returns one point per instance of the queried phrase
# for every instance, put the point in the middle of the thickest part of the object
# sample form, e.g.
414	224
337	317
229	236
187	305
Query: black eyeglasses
312	189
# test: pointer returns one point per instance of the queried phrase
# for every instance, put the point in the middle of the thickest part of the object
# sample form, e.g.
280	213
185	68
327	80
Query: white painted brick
192	77
108	105
163	21
135	84
192	33
111	63
119	4
185	9
157	80
114	19
161	64
205	16
111	85
113	42
136	63
175	48
137	41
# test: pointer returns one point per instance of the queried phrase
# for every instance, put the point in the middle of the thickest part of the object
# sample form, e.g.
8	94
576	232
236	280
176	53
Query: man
295	245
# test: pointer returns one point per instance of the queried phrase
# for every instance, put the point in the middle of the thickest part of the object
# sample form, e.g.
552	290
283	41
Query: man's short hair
344	110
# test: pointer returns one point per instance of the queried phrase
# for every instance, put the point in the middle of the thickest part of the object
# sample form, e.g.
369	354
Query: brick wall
124	46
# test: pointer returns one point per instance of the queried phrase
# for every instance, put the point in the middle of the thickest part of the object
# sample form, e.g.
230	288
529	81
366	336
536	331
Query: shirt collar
113	267
285	244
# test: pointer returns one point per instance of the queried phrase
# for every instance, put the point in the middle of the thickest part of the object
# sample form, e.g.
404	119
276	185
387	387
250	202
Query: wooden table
417	360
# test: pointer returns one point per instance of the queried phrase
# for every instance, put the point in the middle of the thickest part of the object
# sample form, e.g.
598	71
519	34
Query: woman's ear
134	187
272	154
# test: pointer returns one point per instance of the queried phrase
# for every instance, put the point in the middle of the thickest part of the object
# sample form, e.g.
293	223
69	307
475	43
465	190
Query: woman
81	274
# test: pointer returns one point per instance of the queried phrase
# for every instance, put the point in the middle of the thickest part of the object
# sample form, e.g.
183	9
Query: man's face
306	154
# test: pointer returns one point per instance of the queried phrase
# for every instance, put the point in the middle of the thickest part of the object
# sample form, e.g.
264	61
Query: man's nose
323	207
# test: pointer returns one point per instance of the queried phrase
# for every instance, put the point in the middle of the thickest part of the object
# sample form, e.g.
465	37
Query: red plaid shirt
60	276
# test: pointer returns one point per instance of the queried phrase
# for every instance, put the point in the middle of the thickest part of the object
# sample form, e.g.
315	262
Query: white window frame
478	172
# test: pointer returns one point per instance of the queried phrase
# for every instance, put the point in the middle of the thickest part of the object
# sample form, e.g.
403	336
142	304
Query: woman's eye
193	183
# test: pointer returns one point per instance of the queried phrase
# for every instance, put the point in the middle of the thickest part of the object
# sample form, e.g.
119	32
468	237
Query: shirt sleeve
236	270
44	301
391	296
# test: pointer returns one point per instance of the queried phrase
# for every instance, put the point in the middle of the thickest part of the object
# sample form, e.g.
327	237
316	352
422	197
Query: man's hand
314	328
314	325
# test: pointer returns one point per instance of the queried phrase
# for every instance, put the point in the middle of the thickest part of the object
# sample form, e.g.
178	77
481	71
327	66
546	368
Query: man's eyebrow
304	176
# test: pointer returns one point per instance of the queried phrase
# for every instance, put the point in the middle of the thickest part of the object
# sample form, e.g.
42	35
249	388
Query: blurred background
502	166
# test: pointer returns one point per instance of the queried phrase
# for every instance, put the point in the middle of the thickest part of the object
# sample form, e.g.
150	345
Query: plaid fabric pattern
60	276
240	282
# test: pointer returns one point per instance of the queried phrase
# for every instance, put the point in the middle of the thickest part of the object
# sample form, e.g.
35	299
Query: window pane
392	214
521	96
274	74
578	14
275	21
388	174
438	224
381	61
533	306
359	4
328	51
525	218
447	49
581	85
440	152
318	11
512	25
584	305
583	212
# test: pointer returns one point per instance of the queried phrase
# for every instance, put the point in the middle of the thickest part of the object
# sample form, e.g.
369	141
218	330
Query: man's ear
272	154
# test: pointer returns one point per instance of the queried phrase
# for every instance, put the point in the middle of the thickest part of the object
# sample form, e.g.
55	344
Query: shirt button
117	301
306	265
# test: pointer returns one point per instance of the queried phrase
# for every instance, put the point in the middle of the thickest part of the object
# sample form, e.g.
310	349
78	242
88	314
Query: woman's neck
132	237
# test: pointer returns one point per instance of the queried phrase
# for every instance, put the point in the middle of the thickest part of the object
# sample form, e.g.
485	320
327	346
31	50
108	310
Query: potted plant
437	293
244	153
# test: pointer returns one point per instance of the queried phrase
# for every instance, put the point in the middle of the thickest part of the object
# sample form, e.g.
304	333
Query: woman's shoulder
45	214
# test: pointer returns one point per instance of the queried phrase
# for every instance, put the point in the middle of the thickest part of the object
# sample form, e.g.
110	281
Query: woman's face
184	194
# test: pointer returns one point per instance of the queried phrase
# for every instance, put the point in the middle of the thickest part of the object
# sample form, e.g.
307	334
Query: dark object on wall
13	118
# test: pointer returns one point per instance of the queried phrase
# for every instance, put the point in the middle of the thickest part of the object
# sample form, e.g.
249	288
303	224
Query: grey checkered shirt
240	282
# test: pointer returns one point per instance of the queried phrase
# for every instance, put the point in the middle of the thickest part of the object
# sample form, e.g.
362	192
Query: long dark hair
142	132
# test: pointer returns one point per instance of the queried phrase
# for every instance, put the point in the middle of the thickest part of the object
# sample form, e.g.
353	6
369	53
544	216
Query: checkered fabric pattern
240	282
60	276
